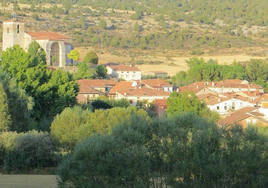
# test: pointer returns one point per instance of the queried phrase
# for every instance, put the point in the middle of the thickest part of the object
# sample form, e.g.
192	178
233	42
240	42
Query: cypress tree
5	120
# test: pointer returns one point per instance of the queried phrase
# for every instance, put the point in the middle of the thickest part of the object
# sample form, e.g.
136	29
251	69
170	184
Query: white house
224	104
124	72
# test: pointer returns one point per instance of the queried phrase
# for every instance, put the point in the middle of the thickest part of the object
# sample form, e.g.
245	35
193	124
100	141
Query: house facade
124	72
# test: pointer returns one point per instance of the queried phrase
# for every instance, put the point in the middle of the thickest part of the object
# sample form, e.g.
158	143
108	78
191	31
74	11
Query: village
133	94
236	101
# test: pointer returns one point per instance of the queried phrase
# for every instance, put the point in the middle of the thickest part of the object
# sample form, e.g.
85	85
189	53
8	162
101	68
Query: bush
182	151
25	151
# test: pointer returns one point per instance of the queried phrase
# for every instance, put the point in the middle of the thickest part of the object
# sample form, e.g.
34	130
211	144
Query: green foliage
255	71
20	105
52	91
188	102
76	124
101	72
84	71
74	55
25	151
184	151
65	127
5	119
105	103
91	57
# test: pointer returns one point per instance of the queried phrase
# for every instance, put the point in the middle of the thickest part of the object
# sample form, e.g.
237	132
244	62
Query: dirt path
28	181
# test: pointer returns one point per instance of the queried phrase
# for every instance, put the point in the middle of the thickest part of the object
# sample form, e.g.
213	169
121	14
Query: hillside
135	30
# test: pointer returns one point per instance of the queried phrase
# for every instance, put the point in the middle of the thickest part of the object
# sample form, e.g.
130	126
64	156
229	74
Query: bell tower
13	33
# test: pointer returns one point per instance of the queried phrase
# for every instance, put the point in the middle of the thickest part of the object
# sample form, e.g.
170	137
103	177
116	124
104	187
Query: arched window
18	28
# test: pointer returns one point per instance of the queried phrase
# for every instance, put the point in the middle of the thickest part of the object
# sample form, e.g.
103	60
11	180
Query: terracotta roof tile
143	92
87	86
237	116
48	36
156	83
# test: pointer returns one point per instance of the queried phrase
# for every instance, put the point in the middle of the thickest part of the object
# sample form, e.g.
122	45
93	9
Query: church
56	45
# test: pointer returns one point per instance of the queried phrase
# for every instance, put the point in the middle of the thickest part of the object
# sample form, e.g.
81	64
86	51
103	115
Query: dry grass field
167	61
28	181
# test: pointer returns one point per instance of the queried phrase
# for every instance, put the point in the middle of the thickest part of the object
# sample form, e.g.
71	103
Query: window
7	30
218	107
225	107
18	28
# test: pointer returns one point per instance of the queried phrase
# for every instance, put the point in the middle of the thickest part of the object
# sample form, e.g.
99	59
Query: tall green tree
52	91
5	120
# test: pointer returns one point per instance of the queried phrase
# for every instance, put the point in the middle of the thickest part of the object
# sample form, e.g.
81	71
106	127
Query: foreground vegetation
182	151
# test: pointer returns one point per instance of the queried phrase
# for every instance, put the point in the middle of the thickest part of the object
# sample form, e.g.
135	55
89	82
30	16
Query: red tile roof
121	87
139	92
48	36
134	88
87	86
198	86
237	116
156	83
124	68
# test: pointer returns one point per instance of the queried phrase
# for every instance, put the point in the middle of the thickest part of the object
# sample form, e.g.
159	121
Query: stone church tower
13	33
56	45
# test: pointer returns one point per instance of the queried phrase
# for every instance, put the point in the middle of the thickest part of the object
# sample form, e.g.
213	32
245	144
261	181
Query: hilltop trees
255	71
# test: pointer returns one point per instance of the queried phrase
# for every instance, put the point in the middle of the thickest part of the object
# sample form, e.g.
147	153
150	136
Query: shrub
182	151
24	151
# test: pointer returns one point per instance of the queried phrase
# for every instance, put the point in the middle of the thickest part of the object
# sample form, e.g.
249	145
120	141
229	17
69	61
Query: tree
52	91
188	102
20	105
75	124
182	151
91	57
256	70
66	126
74	55
101	72
5	119
84	71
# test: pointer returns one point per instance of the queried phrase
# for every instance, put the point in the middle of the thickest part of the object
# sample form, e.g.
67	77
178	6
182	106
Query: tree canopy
52	90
